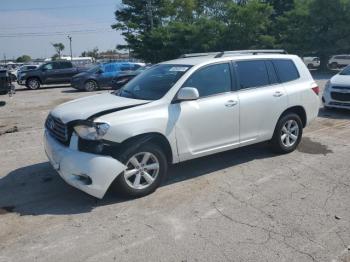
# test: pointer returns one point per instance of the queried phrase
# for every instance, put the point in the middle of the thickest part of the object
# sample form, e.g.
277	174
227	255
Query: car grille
339	104
341	87
340	96
57	129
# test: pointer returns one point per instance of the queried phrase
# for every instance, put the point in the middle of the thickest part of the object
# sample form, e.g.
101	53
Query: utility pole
150	12
70	45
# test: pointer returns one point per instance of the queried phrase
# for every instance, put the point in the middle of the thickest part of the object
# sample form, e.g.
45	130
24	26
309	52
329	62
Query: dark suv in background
55	72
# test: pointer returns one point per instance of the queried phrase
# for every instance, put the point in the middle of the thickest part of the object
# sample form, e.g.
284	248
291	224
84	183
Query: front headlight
328	85
95	131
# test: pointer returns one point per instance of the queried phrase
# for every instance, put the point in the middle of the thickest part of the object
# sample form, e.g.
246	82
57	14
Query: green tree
317	27
59	47
23	59
181	26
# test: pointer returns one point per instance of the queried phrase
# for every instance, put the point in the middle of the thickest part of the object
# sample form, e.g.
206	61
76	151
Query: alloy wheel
142	170
290	133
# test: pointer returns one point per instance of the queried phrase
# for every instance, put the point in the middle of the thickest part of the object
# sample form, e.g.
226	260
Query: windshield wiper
128	92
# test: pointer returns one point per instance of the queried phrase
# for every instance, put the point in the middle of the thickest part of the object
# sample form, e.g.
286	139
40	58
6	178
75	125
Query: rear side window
252	74
211	80
286	70
65	65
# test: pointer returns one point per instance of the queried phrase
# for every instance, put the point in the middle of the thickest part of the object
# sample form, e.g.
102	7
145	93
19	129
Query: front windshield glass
94	69
346	71
153	83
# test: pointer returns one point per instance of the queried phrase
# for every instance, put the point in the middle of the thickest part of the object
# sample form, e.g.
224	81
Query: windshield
154	83
94	69
346	71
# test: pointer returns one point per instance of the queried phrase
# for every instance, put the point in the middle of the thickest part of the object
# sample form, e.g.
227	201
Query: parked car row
82	78
335	62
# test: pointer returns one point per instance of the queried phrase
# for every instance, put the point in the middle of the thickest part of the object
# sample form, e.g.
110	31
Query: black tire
121	185
33	83
90	86
279	146
310	66
333	65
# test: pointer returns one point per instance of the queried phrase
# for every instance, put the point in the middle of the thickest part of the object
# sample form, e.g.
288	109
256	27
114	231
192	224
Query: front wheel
288	134
90	86
146	168
33	83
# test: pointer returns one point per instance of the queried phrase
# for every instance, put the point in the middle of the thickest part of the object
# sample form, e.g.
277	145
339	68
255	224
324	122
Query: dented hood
83	108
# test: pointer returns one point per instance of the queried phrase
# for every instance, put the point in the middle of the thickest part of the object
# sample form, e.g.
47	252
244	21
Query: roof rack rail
198	54
252	52
236	52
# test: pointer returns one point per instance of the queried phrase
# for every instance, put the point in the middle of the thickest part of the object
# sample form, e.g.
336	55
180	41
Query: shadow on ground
38	190
334	113
2	103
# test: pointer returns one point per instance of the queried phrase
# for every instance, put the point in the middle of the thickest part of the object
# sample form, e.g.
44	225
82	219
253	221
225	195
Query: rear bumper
90	173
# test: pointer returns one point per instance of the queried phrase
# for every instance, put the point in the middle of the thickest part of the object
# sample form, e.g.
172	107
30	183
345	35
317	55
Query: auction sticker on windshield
178	69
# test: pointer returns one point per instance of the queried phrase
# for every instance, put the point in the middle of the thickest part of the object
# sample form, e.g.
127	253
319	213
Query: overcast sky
30	26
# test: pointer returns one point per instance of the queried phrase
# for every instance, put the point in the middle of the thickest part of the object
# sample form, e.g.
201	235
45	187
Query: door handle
231	103
278	94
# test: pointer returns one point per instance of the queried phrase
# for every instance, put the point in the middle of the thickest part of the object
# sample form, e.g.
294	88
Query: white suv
339	61
177	111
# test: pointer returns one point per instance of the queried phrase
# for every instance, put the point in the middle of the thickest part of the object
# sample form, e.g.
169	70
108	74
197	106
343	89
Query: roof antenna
221	54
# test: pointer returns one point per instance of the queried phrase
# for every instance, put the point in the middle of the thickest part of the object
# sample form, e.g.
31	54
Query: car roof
211	59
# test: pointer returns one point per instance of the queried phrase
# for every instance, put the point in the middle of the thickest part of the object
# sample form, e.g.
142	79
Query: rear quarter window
286	70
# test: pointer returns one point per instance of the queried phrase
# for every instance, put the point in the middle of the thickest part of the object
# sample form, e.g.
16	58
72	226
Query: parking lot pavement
241	205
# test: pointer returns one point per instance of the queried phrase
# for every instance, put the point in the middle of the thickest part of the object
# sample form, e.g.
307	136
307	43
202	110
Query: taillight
316	89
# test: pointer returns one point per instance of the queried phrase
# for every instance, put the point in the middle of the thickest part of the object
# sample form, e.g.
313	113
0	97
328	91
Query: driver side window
48	66
211	80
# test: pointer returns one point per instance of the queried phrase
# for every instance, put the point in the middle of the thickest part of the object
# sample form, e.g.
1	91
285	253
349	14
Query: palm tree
59	47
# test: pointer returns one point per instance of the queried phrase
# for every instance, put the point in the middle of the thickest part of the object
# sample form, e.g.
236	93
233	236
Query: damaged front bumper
88	172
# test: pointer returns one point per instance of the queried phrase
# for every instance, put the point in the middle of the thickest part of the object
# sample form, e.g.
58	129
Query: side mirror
100	71
187	94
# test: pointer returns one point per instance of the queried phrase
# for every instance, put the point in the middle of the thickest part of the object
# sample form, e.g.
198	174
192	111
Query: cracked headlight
95	131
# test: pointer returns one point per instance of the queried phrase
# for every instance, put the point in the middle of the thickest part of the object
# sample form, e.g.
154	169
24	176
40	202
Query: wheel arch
34	77
153	137
299	110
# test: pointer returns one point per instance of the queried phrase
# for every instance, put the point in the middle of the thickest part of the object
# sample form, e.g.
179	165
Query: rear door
262	100
108	73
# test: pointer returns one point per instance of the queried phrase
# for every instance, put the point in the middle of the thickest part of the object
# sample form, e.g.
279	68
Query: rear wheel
310	66
288	134
334	65
33	83
146	168
90	86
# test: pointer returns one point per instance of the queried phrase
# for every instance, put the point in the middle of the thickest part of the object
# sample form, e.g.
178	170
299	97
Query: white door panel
207	125
260	108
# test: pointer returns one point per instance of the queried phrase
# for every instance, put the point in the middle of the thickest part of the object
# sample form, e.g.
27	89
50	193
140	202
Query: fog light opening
85	179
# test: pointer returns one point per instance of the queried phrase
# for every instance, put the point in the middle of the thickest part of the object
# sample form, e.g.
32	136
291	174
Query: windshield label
178	69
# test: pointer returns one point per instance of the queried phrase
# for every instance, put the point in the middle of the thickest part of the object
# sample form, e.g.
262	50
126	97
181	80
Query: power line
55	8
52	25
38	34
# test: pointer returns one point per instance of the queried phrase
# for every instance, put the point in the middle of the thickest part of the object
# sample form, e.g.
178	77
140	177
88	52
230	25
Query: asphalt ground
242	205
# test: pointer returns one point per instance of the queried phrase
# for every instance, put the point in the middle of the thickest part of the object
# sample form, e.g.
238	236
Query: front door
211	123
